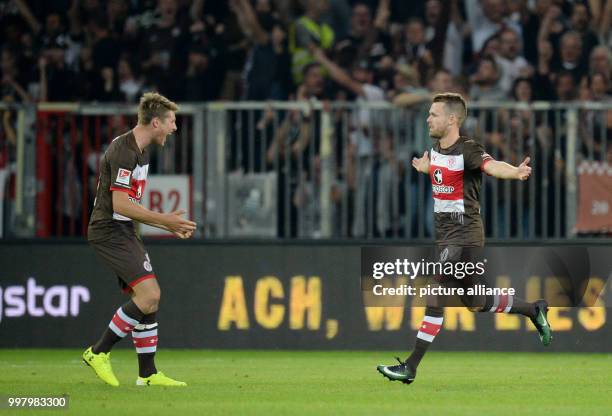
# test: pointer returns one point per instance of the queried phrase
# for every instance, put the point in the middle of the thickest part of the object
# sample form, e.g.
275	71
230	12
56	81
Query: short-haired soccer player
111	232
455	165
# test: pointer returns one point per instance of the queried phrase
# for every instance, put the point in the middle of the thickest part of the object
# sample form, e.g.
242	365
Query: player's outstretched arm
181	235
421	164
505	170
173	222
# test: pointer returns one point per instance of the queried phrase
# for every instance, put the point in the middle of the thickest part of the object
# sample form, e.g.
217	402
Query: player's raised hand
523	170
184	235
421	164
177	224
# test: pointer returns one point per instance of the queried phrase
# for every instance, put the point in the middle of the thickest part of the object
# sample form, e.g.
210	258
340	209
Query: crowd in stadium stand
346	50
109	51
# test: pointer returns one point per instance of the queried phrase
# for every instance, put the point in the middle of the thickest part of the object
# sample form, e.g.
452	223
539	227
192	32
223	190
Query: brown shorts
119	247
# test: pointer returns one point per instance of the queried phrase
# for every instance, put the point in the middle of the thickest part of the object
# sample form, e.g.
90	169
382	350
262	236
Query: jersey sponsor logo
443	189
123	176
438	176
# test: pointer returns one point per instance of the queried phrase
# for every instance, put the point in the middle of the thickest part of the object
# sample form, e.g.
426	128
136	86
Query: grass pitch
318	383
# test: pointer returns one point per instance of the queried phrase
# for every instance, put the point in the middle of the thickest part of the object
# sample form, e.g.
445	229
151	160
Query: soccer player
455	167
111	232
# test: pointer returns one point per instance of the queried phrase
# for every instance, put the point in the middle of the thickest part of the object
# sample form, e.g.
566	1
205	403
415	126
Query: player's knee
149	302
153	301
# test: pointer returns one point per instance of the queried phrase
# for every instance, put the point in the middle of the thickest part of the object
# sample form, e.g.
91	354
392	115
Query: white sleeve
475	16
453	50
373	93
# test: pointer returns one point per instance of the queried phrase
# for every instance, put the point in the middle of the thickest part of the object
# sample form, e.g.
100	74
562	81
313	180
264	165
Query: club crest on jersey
437	176
123	176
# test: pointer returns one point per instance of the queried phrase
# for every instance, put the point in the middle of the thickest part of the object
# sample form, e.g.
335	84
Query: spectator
405	80
440	81
406	87
552	24
166	44
267	70
362	143
602	20
601	60
368	38
446	33
565	87
599	87
571	58
509	60
485	82
12	88
491	47
486	18
338	17
169	37
88	81
56	80
522	90
198	85
413	50
117	15
580	23
530	25
308	31
105	49
313	83
130	84
292	149
543	77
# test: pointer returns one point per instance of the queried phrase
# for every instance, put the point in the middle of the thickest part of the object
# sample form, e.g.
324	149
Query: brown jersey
456	176
123	168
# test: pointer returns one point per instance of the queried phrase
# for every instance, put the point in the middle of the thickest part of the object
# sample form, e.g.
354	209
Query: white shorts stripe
144	334
510	299
433	320
120	217
126	318
425	336
495	303
146	350
116	329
